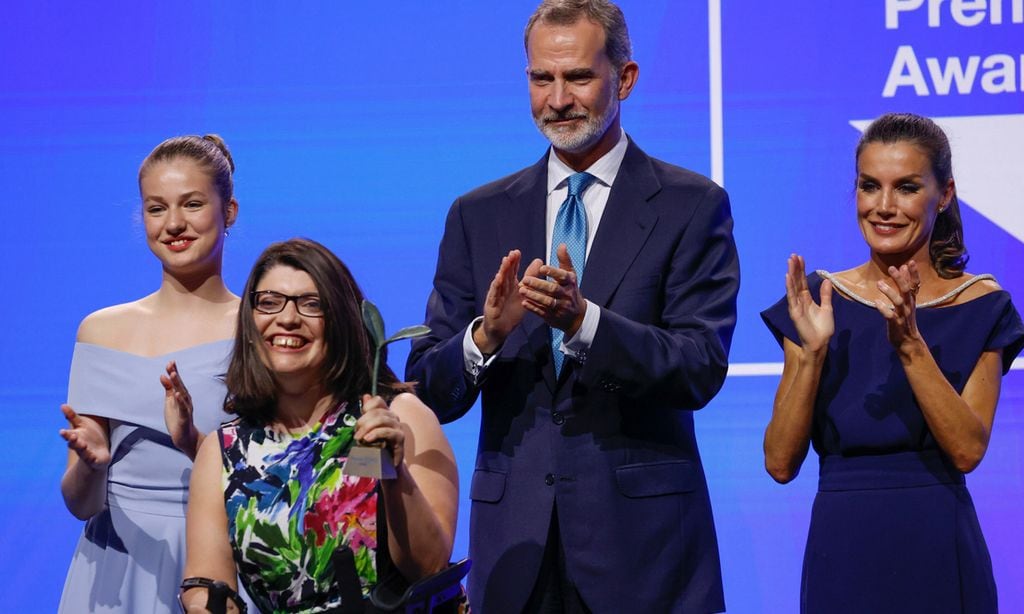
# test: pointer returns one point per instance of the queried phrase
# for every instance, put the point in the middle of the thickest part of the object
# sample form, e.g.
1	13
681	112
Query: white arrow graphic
988	164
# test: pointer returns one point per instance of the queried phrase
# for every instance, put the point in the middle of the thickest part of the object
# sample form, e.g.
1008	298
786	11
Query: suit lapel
627	221
521	221
522	224
625	225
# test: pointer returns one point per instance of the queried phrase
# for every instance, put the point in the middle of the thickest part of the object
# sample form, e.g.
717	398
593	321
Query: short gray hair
617	46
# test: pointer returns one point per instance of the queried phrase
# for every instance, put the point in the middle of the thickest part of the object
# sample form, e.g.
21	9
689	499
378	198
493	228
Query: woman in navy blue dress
892	372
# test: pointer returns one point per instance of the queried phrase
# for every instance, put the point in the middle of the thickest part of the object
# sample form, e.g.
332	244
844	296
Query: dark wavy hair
348	364
947	250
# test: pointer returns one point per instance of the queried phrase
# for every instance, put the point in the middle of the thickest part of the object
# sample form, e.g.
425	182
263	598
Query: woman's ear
230	213
947	195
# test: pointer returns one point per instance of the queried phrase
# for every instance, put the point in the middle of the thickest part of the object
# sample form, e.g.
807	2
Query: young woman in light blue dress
133	428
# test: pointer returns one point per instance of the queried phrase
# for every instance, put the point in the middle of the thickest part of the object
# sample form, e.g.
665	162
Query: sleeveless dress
305	537
131	555
893	527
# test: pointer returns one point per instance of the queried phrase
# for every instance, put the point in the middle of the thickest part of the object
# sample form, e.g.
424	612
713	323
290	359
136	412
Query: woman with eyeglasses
892	372
269	499
133	429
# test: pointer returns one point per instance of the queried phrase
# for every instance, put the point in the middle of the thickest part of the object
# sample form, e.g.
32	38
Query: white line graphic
757	369
715	90
988	157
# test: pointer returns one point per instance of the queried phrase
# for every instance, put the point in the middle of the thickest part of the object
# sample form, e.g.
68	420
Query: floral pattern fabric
290	508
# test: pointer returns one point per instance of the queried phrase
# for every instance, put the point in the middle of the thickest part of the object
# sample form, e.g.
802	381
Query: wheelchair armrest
422	595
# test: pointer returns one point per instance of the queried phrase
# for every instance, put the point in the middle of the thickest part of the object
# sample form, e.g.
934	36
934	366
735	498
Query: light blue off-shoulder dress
131	555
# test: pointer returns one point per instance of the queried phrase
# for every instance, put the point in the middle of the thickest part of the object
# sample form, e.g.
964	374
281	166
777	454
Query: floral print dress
290	510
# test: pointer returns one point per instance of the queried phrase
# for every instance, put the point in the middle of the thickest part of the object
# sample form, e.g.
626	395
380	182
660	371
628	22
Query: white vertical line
715	93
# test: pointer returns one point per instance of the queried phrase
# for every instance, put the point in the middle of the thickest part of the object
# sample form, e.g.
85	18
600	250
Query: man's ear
627	79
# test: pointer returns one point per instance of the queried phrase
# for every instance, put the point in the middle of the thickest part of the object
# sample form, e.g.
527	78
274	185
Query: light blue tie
571	229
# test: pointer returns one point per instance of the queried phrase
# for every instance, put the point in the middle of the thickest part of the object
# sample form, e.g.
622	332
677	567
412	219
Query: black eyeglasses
270	302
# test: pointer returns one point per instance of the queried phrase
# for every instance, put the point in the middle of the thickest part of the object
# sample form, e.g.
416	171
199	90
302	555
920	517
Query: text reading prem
964	12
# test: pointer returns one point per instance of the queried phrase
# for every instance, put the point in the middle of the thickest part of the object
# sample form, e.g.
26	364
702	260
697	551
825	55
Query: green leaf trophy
374	460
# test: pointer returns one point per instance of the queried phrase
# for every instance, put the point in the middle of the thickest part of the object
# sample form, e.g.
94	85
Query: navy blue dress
893	528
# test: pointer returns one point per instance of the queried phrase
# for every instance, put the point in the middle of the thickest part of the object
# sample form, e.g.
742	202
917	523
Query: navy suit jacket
610	444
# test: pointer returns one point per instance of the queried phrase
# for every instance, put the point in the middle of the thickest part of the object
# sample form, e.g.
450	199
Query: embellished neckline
932	303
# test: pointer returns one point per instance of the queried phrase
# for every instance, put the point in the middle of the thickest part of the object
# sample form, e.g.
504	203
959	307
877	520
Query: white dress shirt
595	198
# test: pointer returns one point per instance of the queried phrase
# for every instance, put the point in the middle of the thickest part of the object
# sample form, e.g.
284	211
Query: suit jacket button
549	480
558	418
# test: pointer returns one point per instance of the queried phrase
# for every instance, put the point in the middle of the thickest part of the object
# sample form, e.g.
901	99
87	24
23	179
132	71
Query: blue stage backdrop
357	124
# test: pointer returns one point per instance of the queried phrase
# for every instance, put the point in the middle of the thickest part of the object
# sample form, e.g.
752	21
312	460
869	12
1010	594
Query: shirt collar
604	169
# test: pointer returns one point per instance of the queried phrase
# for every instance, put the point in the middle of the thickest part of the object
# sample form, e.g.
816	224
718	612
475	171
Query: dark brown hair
617	45
348	364
947	250
208	151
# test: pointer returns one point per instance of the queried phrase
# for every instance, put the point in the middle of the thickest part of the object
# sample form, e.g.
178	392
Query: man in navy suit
607	322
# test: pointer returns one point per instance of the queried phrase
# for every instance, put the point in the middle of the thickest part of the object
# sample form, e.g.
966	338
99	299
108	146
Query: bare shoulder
852	277
230	312
229	317
106	326
426	445
210	445
423	424
208	458
412	410
975	290
850	281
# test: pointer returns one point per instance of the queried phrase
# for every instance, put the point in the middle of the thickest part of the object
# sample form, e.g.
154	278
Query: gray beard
582	138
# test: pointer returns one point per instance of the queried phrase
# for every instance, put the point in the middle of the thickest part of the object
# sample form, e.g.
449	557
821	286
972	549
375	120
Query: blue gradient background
358	124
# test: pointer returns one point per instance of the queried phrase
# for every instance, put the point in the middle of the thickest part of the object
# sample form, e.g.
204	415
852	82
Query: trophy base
370	462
